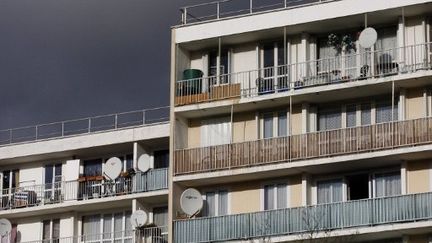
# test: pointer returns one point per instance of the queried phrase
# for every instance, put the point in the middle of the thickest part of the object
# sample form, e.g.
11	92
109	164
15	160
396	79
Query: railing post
89	125
62	129
184	15
10	136
116	121
36	132
285	3
144	117
218	10
250	6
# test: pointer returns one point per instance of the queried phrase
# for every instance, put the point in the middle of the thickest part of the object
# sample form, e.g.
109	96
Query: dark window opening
358	187
161	159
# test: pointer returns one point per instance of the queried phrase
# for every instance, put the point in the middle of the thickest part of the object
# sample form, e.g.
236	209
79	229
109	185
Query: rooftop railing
291	77
82	189
146	235
382	136
306	221
230	8
84	126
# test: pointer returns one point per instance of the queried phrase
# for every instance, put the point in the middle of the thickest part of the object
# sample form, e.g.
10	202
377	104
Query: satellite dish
191	201
144	163
113	168
368	37
5	227
138	218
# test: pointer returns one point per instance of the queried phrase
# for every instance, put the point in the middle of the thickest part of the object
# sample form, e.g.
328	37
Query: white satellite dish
138	218
191	201
113	168
368	37
5	227
144	163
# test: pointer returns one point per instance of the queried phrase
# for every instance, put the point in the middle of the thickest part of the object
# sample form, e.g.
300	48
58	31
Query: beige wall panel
245	197
418	176
415	106
197	61
244	127
296	120
194	134
296	191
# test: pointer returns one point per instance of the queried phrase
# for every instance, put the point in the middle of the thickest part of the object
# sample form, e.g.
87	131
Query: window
384	113
128	162
275	196
53	178
273	60
223	68
216	131
366	114
51	230
10	179
351	115
329	119
161	159
388	184
93	167
113	226
216	203
268	124
329	191
386	44
160	216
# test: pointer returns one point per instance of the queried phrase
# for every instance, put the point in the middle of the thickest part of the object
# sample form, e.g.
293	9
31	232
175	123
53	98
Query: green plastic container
192	74
194	85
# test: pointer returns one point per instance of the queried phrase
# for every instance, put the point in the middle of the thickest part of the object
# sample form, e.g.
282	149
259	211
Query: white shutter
216	131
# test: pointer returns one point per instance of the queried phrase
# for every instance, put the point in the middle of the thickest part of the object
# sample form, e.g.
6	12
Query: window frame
275	123
275	184
216	191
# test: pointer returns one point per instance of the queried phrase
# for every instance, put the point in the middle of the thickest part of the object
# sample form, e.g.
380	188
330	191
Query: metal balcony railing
146	235
304	220
230	8
65	191
344	68
320	144
84	126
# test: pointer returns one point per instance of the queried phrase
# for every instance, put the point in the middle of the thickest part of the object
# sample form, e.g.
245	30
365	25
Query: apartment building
293	131
54	186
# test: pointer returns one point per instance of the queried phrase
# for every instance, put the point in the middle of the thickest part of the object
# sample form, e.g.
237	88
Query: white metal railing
84	125
310	219
146	235
58	192
343	68
229	8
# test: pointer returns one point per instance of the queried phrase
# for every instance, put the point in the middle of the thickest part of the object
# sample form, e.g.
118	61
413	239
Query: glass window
275	196
268	55
161	159
224	63
223	202
91	227
210	204
329	119
93	167
282	124
46	234
365	114
216	203
268	125
160	216
329	191
114	226
383	111
388	184
351	115
129	162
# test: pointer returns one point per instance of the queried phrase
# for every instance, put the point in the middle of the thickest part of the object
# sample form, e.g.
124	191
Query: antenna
113	168
368	37
138	218
191	201
144	163
5	227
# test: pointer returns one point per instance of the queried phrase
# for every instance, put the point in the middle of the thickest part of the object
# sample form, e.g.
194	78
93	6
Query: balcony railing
88	125
229	8
291	77
306	220
64	191
320	144
146	235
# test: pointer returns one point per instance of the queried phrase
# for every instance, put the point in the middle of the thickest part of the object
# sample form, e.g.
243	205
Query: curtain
329	191
268	197
128	225
223	203
327	57
387	184
91	227
282	124
107	222
386	45
365	114
216	131
46	234
210	204
56	229
268	125
160	216
118	225
281	196
383	111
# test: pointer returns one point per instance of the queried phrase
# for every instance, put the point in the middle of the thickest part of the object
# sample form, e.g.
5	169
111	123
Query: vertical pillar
404	181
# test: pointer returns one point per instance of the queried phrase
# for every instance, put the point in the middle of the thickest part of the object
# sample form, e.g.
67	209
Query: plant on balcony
341	43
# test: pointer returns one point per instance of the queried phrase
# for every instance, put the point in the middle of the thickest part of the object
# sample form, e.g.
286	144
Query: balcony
291	78
325	217
320	144
146	235
229	8
66	191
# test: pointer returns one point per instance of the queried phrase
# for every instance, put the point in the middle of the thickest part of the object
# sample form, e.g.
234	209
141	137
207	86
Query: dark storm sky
65	59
